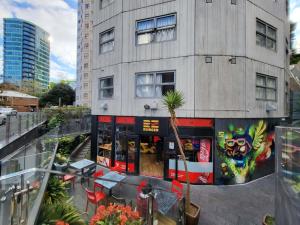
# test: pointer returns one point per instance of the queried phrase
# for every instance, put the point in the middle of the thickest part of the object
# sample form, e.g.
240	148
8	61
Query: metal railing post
150	209
19	124
7	135
32	120
27	122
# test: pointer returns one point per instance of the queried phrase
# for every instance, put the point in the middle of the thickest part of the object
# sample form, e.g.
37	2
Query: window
106	87
86	25
86	55
85	85
266	87
86	75
265	35
104	3
86	6
86	65
107	41
154	84
85	95
156	29
86	45
86	15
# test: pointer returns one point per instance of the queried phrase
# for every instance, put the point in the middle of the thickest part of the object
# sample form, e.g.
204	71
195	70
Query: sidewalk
220	205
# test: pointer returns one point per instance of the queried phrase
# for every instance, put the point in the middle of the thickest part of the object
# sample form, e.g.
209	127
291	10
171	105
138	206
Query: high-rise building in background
26	55
84	49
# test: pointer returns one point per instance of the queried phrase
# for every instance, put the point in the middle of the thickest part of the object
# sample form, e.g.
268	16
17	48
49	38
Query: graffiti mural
245	151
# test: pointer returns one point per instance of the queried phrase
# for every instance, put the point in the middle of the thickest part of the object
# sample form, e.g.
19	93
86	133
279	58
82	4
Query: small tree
59	91
174	100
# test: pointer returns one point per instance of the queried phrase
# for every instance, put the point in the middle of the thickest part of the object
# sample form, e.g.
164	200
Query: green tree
295	58
174	100
60	93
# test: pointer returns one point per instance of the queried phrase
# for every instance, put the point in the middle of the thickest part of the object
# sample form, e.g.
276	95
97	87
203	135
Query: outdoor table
82	164
113	177
165	200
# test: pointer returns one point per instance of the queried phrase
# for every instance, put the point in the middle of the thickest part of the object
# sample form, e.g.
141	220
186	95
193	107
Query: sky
295	17
59	18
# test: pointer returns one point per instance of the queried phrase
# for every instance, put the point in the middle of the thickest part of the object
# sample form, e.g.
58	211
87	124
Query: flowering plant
116	215
60	222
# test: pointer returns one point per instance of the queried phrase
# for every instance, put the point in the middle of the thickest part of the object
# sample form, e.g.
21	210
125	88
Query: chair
140	202
89	172
117	169
141	186
177	188
94	198
70	178
97	174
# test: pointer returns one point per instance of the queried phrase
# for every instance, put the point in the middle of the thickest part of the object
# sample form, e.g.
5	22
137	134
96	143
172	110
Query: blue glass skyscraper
26	54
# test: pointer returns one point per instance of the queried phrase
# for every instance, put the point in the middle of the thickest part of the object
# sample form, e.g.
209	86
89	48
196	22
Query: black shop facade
147	146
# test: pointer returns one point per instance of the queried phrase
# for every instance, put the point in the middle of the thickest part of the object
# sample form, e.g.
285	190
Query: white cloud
295	15
57	73
54	16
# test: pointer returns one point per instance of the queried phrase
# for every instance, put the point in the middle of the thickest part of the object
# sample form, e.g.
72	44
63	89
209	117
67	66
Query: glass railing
15	126
287	175
26	199
37	154
76	126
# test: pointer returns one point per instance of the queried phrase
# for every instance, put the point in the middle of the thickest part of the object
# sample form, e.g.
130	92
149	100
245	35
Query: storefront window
198	152
104	144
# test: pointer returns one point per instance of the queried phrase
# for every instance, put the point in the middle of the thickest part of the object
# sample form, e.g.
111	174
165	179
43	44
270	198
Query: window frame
265	35
105	88
100	4
266	77
155	29
154	84
107	41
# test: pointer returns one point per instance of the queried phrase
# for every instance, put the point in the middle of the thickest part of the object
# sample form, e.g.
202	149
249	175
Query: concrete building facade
228	58
84	51
26	55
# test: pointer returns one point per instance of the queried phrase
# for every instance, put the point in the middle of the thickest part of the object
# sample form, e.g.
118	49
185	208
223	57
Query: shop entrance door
151	156
127	153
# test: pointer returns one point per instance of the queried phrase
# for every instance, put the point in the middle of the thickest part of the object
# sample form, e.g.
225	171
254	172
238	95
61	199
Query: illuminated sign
151	125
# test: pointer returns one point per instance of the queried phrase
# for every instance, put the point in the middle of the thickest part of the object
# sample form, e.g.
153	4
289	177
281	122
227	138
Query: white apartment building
84	51
229	58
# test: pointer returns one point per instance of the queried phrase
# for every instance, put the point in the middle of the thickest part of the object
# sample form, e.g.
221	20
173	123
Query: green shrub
64	211
56	191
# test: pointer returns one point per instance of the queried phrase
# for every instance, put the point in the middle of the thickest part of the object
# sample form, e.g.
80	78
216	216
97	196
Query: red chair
117	169
140	202
94	198
70	178
177	188
97	174
141	186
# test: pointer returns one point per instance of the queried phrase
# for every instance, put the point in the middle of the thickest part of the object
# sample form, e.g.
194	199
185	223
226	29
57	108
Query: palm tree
174	100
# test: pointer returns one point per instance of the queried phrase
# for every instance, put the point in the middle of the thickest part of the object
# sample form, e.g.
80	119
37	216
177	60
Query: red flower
60	222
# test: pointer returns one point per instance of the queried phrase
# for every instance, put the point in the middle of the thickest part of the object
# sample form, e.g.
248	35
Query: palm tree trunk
174	127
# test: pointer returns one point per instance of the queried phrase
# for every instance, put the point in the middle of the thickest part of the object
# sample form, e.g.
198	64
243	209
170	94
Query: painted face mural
240	149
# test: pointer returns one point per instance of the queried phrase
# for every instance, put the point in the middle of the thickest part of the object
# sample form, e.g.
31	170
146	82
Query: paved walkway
220	205
236	205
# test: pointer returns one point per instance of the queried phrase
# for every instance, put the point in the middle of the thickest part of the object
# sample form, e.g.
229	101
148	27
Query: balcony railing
24	193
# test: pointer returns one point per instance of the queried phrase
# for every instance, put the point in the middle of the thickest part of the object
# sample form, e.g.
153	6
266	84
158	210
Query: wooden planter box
193	219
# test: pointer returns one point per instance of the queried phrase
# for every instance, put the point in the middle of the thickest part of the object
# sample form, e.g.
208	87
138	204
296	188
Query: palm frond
173	100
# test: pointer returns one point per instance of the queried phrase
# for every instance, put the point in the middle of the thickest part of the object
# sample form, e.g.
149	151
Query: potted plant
268	220
61	162
116	215
174	100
